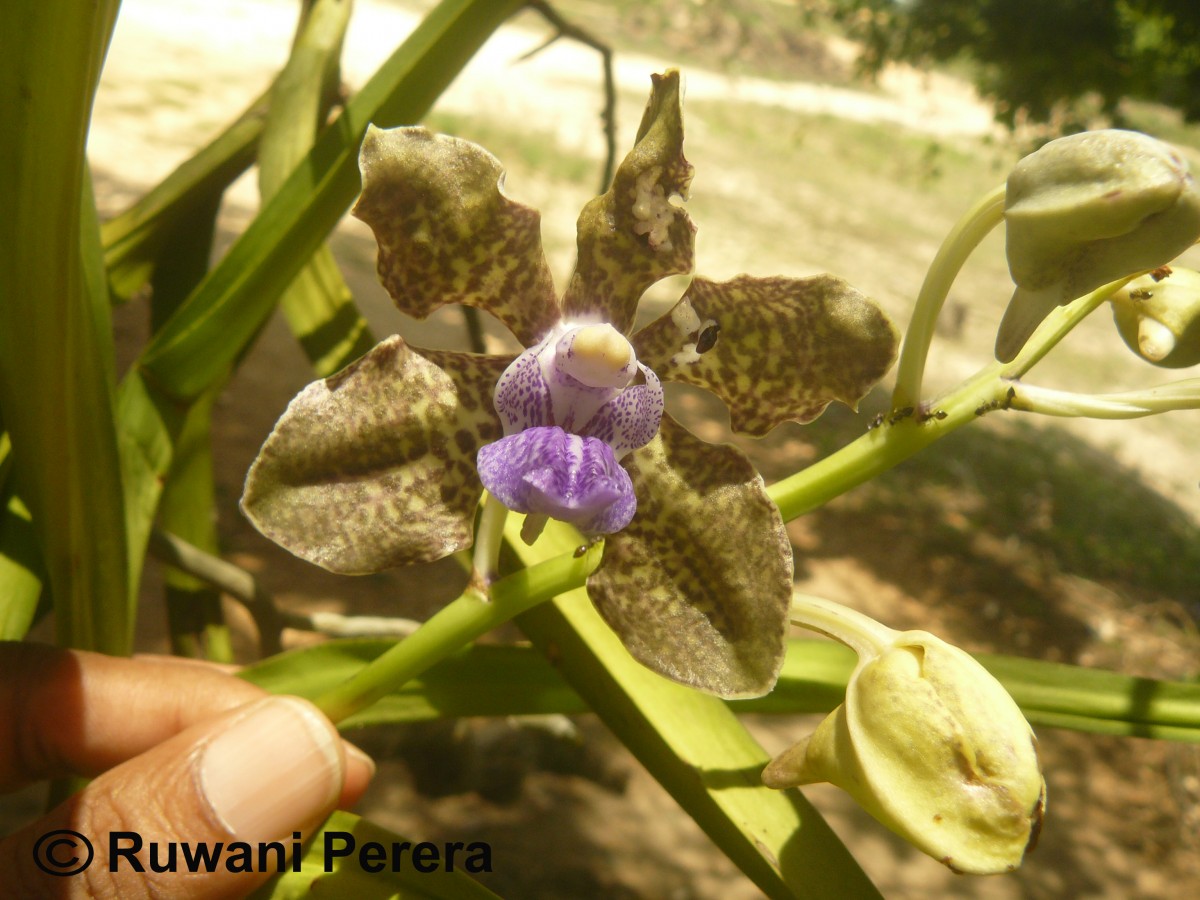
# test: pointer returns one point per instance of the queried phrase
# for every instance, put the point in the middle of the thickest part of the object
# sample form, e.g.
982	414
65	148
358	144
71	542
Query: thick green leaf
1050	694
135	240
318	305
482	681
188	510
492	681
348	877
149	426
20	560
55	340
1096	700
212	329
20	568
227	309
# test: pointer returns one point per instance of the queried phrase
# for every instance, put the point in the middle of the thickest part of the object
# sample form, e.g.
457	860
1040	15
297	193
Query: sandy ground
1123	814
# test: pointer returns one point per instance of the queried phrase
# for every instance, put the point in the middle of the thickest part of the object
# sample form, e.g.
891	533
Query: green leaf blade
227	309
56	369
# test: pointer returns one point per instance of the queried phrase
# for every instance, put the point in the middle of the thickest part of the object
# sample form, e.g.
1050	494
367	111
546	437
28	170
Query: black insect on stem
993	405
582	549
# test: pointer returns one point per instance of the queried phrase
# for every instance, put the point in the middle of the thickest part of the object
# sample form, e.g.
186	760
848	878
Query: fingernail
275	769
356	758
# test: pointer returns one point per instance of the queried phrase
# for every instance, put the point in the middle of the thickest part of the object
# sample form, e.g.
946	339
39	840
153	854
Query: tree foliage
1037	59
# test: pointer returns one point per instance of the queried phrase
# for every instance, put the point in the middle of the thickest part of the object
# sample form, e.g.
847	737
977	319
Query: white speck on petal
686	356
688	322
652	209
685	318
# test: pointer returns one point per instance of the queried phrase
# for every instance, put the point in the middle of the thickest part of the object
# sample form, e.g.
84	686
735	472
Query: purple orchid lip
568	477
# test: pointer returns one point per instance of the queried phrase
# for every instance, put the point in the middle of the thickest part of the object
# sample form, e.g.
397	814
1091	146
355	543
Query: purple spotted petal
565	476
537	390
522	396
533	391
631	419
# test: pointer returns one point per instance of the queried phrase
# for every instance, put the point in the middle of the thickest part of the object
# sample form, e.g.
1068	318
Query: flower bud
933	747
1160	320
1085	210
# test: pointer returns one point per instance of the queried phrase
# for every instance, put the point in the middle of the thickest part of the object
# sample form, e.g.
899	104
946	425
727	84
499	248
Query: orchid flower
385	463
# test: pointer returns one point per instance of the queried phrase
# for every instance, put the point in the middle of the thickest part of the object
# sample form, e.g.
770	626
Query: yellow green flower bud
1160	318
1088	209
931	745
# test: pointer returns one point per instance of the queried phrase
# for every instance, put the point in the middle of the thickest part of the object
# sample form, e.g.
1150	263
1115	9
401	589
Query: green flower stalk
1159	317
927	741
1085	210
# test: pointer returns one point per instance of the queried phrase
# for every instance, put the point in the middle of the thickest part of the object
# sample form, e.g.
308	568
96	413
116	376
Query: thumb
270	771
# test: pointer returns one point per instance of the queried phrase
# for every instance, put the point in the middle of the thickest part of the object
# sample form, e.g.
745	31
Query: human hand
182	751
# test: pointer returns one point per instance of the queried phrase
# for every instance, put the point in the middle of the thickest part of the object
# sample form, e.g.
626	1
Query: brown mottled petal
447	234
774	349
633	236
698	585
374	467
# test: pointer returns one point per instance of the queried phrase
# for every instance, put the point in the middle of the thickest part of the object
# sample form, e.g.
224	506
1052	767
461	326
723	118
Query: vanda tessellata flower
384	464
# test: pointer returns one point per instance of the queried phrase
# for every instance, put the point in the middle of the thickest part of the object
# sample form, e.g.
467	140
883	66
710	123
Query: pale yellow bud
933	747
1160	319
1085	210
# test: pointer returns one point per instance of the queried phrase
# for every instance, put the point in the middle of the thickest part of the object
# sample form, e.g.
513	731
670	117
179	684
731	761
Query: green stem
859	632
882	448
900	437
488	538
468	617
959	244
1183	394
